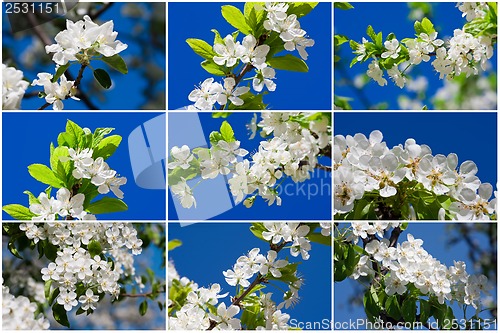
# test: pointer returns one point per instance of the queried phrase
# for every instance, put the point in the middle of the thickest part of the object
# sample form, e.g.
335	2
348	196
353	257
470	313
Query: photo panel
270	275
261	54
84	166
84	55
249	166
415	275
415	166
83	275
427	56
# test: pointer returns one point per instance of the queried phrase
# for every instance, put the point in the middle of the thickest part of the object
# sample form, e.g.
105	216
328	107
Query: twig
101	11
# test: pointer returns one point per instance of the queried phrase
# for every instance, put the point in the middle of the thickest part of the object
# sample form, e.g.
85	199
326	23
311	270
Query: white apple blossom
13	88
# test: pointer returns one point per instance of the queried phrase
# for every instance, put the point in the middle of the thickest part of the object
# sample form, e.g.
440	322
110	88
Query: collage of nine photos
255	166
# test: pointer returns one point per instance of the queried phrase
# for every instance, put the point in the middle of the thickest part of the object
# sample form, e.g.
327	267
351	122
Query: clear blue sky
301	203
127	90
195	20
390	17
435	237
209	248
26	140
472	136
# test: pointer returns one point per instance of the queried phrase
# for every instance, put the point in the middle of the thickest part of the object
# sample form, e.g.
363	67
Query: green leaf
211	67
250	102
60	314
174	243
215	137
43	174
74	135
18	212
94	248
116	62
201	48
427	26
107	146
288	63
235	17
62	170
143	308
425	310
409	309
47	288
301	9
320	239
31	198
254	18
60	71
393	308
372	310
217	39
107	205
340	39
418	27
103	78
11	245
227	132
342	5
371	33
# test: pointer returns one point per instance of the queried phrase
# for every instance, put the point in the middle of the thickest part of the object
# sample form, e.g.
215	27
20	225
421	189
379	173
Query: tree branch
101	11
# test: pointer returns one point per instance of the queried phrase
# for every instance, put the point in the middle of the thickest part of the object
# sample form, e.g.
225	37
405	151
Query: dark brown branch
101	11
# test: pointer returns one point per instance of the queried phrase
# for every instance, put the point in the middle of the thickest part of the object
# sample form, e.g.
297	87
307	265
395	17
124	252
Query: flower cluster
409	263
463	53
84	39
75	267
55	92
253	54
96	170
18	313
81	41
292	152
13	88
366	164
63	205
472	10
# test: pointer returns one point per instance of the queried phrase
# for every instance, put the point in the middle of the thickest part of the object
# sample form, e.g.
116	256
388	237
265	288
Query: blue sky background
294	207
130	85
435	237
390	17
26	140
294	90
208	249
472	136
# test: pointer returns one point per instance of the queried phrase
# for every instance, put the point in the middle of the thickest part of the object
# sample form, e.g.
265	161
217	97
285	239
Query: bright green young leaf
73	135
288	63
60	71
427	26
43	174
340	39
201	48
418	28
235	17
250	102
107	146
371	33
94	248
18	212
107	205
99	134
116	62
255	18
31	198
174	243
46	288
217	39
342	5
215	137
227	132
303	8
211	67
103	78
320	239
